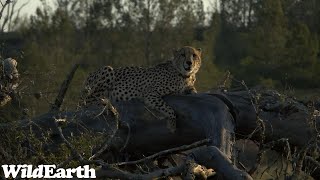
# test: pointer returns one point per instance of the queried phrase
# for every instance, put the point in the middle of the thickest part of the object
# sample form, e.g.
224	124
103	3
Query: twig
209	156
286	143
67	161
166	152
311	159
3	7
69	145
225	80
63	89
74	152
302	154
112	172
4	22
105	146
109	106
18	13
128	136
261	124
300	157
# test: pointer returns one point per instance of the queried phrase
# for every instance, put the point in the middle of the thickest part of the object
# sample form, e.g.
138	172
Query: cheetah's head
187	60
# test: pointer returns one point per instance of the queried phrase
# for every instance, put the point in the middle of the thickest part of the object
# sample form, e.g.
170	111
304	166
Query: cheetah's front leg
156	102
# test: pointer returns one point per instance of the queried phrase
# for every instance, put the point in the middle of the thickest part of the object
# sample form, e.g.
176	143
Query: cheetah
151	84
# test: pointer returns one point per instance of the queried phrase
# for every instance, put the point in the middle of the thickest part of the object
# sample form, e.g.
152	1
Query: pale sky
32	5
30	8
27	10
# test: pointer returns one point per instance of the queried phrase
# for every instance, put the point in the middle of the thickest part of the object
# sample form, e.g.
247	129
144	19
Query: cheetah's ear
199	50
175	52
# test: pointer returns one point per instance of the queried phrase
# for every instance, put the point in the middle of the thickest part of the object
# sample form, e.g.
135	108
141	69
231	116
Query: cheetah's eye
194	55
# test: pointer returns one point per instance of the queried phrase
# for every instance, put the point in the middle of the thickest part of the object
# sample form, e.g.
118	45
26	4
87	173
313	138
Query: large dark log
200	116
284	117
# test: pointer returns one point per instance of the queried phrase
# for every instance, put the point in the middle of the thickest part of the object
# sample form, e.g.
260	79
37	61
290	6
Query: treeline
270	42
273	42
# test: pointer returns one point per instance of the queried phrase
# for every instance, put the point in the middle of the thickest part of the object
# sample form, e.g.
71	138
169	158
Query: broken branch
63	89
166	152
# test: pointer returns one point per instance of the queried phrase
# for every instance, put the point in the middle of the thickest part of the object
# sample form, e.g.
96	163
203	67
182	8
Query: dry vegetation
266	146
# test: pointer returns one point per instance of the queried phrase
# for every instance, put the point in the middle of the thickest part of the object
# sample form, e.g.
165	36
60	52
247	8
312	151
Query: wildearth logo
47	171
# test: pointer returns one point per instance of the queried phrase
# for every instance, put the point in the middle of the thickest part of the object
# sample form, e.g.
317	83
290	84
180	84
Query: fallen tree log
199	116
206	117
284	117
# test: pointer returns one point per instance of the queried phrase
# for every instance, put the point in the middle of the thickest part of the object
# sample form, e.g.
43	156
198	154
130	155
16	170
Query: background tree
268	42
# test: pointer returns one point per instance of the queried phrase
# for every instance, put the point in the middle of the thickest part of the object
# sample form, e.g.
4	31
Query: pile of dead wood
214	130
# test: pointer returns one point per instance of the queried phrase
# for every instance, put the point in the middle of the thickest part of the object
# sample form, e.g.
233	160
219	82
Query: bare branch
128	136
17	12
313	161
226	78
63	89
166	152
10	15
3	7
112	172
104	147
67	161
7	3
69	145
209	156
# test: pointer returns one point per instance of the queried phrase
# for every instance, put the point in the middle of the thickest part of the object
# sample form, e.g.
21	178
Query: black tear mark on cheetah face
187	60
